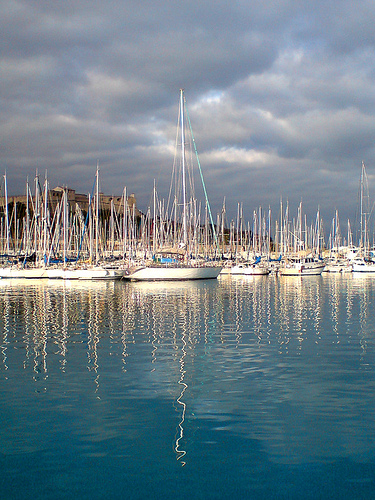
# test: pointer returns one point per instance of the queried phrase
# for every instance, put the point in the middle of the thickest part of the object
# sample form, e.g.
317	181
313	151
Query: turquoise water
257	387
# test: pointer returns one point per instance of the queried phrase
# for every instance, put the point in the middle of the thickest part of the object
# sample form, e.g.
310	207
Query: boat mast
65	224
184	215
45	227
27	244
90	229
361	207
36	217
154	223
124	222
97	215
223	211
6	214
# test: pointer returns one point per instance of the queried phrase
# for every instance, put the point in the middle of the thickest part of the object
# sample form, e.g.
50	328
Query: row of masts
41	231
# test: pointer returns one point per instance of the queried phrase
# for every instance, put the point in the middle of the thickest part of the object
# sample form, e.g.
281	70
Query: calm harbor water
256	387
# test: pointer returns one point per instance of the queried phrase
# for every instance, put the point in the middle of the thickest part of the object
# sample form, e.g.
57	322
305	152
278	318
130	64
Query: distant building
82	200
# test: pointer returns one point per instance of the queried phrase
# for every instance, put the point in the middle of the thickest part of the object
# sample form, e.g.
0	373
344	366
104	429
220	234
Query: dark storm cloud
280	95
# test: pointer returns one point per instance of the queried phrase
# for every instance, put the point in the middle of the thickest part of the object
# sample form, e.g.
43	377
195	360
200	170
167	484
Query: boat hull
59	273
302	270
85	274
23	273
174	273
338	268
363	267
256	271
239	269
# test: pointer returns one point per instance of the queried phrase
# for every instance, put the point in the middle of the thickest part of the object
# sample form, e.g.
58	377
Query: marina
46	236
60	240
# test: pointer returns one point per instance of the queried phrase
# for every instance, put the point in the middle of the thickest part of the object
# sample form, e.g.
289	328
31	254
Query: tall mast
45	224
65	224
27	218
36	216
222	226
125	225
6	214
97	215
184	215
154	223
90	228
361	207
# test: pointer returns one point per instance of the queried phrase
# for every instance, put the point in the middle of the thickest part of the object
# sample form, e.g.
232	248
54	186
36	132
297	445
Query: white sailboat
179	265
302	266
174	273
251	268
257	270
80	270
84	273
362	263
304	262
337	261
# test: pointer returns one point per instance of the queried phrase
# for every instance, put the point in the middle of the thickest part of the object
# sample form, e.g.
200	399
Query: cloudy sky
280	93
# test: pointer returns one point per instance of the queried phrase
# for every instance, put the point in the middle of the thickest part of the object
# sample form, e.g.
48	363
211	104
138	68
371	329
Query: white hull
249	271
302	269
363	267
227	270
239	269
256	271
338	268
23	273
95	273
160	273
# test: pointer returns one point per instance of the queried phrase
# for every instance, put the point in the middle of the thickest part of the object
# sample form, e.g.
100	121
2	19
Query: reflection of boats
164	289
304	266
76	285
168	287
180	265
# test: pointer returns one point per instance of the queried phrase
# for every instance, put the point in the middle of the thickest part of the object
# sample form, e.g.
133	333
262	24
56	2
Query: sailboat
362	263
302	262
302	266
255	268
77	270
177	264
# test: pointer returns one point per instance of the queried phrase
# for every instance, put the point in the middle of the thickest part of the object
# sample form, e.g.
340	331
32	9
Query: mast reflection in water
251	387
